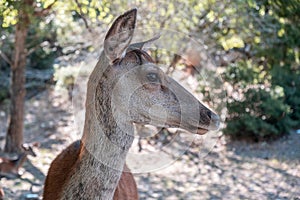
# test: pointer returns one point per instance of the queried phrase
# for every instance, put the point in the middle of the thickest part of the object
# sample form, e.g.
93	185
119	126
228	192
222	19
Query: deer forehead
135	72
150	67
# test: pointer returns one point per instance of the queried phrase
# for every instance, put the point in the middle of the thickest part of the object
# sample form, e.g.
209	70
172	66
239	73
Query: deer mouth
201	131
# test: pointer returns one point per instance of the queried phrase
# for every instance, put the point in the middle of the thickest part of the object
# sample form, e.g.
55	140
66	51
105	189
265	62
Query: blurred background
251	48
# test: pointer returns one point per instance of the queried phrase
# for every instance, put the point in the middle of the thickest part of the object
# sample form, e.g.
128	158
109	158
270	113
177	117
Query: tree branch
81	14
45	11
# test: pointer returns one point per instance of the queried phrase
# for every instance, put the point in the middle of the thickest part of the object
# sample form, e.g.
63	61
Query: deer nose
214	123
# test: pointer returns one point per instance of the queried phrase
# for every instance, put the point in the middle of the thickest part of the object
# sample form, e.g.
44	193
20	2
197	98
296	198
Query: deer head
138	91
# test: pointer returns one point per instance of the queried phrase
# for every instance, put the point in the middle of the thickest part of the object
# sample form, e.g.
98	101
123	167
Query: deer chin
191	129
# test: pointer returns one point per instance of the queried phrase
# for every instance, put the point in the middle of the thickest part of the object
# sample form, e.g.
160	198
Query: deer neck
104	143
104	122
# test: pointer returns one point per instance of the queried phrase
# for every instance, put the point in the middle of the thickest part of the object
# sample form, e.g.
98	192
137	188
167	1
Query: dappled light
226	71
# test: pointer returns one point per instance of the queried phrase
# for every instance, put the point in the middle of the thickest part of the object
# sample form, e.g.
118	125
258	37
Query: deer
126	87
10	167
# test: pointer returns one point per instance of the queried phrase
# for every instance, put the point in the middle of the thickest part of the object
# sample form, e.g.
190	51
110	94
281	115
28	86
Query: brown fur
62	166
126	189
60	169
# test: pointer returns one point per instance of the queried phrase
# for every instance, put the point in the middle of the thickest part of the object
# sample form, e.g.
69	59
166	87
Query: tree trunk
14	137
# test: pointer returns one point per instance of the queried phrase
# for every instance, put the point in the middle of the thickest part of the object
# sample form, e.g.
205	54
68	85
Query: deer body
10	168
122	89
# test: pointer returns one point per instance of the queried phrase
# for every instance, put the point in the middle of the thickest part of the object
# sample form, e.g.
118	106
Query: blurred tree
21	18
20	14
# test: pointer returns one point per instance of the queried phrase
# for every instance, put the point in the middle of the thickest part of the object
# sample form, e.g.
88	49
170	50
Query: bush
259	115
257	110
289	80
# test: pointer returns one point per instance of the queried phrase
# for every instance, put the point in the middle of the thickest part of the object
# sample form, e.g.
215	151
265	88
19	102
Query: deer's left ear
120	35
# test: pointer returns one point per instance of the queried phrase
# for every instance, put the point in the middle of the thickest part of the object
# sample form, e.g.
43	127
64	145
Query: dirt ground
231	170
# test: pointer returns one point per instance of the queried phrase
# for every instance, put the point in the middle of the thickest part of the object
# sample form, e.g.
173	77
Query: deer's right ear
120	35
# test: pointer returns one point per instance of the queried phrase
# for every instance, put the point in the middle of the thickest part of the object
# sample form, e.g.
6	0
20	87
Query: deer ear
120	35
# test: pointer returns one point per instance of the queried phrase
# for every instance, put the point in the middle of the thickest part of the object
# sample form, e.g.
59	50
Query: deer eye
152	77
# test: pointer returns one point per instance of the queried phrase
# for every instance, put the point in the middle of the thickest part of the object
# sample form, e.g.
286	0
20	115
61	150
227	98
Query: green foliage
289	80
8	13
256	110
264	100
242	73
42	58
41	41
258	115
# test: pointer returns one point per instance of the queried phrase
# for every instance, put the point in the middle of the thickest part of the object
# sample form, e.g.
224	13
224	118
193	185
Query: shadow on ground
232	170
48	121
